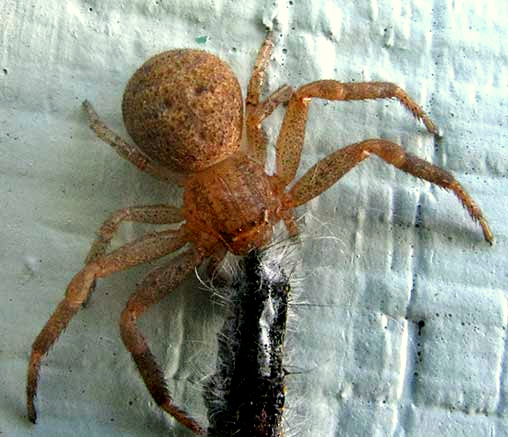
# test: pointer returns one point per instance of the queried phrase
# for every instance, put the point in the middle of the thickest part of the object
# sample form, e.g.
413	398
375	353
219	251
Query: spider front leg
145	249
156	285
148	214
330	169
151	214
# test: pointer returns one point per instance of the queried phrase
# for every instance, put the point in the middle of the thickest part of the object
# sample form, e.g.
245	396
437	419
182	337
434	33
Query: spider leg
147	248
151	214
257	111
290	141
155	286
125	150
256	135
328	170
258	73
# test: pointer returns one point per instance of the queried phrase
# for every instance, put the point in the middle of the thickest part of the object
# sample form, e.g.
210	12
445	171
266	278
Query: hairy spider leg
327	171
257	110
151	246
330	169
257	79
154	287
290	141
128	151
147	214
255	134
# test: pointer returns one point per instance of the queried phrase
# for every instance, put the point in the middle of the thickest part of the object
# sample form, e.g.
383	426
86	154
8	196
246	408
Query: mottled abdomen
184	109
234	202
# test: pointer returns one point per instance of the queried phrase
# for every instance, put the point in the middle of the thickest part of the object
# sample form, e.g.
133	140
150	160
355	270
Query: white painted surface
366	368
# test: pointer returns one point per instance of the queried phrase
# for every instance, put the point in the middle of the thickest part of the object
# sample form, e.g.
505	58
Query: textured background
400	321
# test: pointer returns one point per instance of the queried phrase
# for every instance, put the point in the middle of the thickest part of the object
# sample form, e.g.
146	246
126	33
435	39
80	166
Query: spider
184	111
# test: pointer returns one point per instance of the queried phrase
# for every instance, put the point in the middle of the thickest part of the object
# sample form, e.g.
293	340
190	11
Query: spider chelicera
184	111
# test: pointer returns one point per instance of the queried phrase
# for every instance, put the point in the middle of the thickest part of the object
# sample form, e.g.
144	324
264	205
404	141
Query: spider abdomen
184	108
233	201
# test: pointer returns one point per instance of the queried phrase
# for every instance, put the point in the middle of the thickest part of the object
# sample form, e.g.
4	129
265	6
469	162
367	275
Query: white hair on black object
254	332
281	257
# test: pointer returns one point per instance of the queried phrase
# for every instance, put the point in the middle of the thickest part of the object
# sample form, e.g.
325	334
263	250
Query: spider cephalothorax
183	108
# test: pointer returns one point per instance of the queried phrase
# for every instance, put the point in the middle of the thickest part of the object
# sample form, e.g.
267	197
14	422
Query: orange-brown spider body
184	111
234	202
184	108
